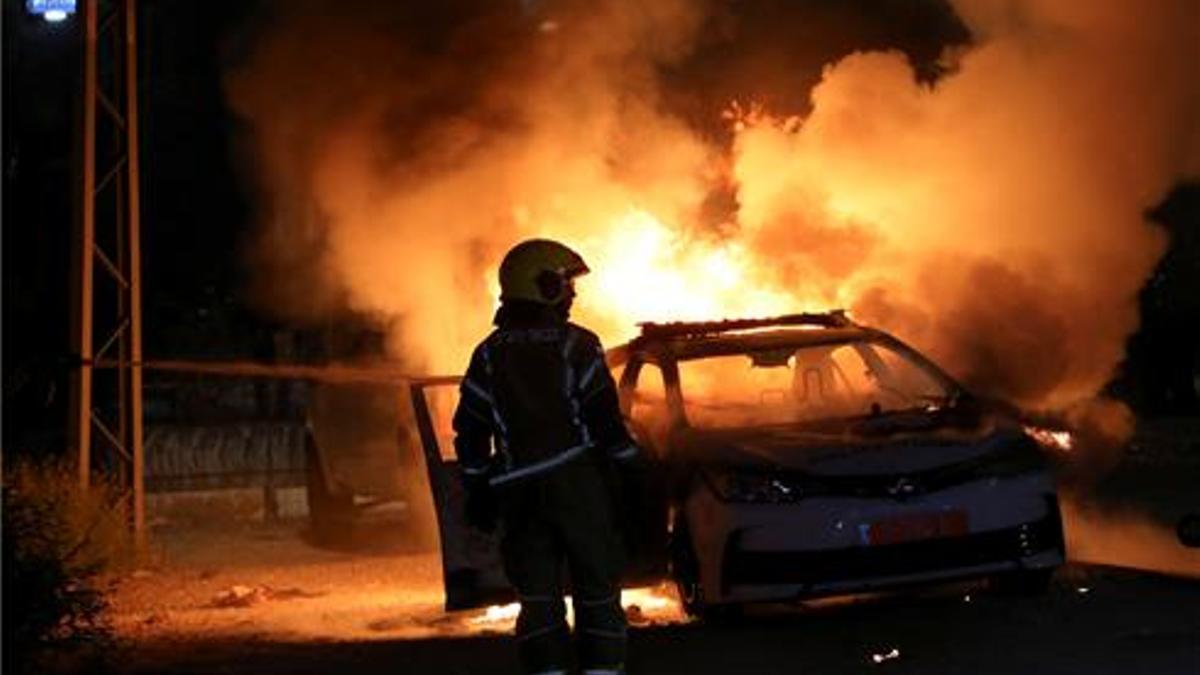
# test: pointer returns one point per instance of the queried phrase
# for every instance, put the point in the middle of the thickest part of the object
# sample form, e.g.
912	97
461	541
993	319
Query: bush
58	541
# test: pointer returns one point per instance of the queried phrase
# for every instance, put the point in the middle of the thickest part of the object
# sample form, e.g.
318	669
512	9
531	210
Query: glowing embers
649	605
496	614
1057	440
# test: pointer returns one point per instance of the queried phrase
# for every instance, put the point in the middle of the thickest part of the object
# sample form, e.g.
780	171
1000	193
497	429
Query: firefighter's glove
481	510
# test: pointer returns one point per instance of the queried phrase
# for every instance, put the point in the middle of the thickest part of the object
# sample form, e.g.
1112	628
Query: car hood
854	449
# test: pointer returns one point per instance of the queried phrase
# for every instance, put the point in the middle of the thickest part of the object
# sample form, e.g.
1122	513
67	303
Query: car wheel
1023	583
329	513
685	570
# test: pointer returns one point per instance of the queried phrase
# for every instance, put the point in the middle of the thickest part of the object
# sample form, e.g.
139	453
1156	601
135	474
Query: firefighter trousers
564	519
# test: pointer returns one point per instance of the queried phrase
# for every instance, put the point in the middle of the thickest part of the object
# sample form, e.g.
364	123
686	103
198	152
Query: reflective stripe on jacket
536	395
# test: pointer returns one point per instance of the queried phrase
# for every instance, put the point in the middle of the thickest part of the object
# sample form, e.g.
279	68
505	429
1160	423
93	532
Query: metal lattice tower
107	401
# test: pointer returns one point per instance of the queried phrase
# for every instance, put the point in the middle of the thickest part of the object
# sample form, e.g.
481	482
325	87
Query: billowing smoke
993	216
425	141
997	216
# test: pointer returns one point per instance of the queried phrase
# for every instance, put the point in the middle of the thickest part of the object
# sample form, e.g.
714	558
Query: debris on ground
239	595
390	624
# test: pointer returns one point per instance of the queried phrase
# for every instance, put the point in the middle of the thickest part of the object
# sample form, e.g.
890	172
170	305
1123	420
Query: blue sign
49	8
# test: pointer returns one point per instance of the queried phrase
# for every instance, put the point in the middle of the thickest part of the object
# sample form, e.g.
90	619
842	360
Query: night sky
198	195
195	204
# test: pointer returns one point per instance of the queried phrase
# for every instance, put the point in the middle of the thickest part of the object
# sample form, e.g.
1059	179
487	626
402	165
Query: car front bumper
753	553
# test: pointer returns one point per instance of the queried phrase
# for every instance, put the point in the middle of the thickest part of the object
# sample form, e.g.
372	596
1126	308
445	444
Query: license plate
915	527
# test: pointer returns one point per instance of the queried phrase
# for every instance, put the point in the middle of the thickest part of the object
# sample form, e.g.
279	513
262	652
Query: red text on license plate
917	526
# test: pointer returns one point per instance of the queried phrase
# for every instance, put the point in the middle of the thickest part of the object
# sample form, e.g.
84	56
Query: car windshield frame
745	345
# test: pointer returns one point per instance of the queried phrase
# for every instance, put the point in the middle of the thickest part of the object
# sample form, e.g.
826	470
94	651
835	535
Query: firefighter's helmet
539	270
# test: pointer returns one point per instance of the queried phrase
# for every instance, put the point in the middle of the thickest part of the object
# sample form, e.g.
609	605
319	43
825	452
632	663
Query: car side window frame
953	387
628	383
668	386
677	417
677	410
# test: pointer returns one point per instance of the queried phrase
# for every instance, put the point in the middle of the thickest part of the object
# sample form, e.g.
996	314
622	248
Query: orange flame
654	603
647	271
1062	441
982	217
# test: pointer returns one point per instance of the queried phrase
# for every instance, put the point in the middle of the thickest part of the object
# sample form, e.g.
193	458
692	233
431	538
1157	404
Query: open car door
472	571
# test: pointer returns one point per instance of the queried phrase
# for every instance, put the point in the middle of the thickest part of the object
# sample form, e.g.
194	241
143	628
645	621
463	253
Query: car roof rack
833	319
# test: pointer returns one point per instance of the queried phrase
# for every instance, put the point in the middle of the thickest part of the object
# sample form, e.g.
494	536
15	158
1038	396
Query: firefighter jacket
537	394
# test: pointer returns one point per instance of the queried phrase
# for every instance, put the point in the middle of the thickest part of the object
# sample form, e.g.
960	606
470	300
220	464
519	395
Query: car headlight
750	488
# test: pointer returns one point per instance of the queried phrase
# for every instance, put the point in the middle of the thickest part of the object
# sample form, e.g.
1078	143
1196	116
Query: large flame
647	270
993	217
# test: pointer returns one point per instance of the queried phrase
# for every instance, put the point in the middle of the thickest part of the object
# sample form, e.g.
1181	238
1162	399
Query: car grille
849	564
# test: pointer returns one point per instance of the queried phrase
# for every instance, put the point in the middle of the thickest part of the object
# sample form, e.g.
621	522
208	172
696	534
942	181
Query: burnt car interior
746	374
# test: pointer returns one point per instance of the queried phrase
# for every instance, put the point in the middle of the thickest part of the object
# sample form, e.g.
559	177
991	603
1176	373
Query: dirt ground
236	595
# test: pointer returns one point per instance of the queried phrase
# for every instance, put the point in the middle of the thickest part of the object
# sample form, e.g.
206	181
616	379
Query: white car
796	457
807	455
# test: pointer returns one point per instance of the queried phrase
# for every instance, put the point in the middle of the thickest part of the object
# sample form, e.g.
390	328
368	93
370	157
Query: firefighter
542	446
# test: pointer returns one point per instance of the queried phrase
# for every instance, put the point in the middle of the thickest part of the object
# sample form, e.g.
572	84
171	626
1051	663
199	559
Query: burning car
807	455
798	456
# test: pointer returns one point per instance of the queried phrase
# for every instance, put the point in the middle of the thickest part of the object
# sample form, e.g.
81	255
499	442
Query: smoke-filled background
986	201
